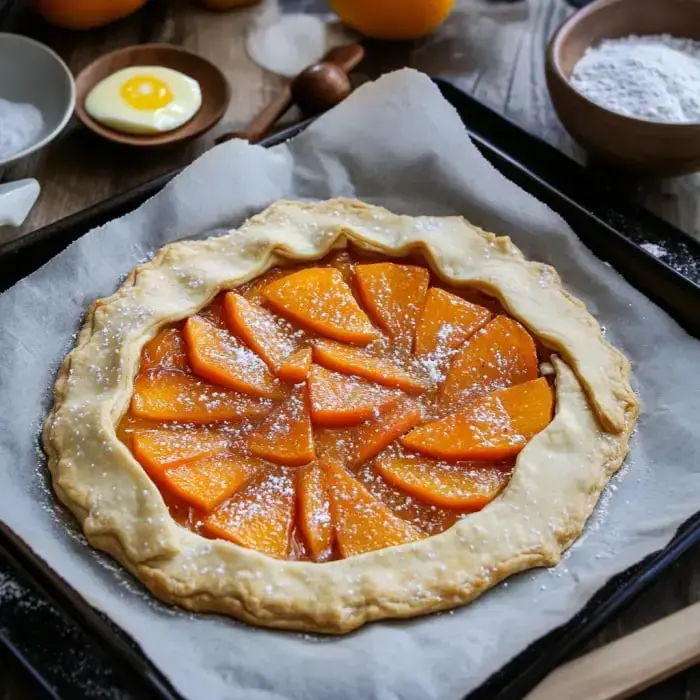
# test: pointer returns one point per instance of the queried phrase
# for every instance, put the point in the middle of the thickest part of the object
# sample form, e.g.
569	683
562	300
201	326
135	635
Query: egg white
106	105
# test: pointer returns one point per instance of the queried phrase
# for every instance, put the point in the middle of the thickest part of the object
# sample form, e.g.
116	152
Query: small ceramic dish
32	73
637	145
215	91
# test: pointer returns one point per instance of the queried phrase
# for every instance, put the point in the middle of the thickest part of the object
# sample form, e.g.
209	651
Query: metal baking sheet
75	652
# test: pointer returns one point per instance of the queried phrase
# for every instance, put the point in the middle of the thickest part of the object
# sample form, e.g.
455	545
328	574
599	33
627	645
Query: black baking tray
73	651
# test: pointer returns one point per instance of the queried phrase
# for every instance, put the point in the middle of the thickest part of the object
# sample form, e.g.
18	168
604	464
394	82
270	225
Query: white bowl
31	72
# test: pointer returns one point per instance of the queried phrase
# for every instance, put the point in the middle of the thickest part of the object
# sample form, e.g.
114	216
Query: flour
20	125
647	77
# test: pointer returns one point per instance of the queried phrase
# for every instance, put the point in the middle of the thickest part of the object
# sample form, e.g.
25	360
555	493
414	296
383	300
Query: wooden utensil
215	91
316	89
627	666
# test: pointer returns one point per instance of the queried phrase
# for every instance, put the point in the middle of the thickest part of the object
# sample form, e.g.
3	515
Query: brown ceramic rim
552	58
182	133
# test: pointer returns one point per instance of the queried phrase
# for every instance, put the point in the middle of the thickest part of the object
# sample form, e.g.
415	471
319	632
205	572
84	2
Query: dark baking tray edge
670	289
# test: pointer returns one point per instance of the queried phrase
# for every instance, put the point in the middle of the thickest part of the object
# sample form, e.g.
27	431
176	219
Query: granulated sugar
20	125
647	77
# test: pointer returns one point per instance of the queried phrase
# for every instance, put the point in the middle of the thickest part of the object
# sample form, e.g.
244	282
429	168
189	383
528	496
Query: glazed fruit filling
329	410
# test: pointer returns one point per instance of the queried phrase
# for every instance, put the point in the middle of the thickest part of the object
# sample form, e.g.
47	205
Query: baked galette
336	414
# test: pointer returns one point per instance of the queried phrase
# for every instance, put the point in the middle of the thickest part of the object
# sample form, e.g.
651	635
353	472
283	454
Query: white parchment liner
397	143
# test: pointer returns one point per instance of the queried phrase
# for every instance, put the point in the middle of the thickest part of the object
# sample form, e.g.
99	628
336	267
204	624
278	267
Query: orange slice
446	322
349	360
424	516
174	396
500	355
339	400
375	435
285	436
296	367
259	516
258	329
491	428
207	482
165	351
393	295
157	450
363	523
319	299
219	357
357	445
459	486
253	290
314	512
130	425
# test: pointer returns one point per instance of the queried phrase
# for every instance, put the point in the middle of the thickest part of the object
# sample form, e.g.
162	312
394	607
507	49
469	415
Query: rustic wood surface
492	50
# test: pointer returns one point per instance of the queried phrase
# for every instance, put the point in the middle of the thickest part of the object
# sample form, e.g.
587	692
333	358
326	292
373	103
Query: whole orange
397	20
85	14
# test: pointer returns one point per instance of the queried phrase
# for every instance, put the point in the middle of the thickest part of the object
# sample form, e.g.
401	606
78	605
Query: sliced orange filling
158	450
259	330
500	355
339	400
350	360
295	369
262	422
393	295
217	356
259	516
206	482
285	436
174	396
362	522
166	351
315	512
446	322
494	427
319	299
459	486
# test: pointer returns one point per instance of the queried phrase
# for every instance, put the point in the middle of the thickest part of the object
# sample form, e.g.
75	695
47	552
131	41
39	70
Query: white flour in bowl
654	77
20	126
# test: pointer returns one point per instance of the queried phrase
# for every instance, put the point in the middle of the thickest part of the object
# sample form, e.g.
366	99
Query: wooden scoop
316	89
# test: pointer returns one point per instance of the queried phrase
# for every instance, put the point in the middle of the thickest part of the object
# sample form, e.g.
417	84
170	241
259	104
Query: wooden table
492	50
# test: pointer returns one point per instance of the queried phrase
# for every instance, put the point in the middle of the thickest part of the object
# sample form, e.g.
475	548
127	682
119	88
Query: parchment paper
397	143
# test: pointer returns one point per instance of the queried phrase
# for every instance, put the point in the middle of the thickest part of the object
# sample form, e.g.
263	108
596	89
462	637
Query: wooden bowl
215	91
637	145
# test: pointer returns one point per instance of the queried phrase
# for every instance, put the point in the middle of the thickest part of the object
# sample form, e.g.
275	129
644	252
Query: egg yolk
146	92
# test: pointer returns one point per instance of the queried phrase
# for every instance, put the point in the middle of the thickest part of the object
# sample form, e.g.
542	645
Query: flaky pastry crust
557	482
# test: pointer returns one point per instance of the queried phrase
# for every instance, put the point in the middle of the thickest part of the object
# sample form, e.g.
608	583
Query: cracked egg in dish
144	100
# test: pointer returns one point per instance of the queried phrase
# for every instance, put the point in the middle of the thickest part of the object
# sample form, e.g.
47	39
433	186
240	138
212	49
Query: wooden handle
264	120
345	57
627	666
